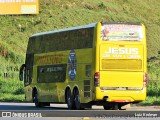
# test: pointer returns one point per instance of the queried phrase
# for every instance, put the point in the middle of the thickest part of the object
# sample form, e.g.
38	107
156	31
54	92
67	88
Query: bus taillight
96	78
145	80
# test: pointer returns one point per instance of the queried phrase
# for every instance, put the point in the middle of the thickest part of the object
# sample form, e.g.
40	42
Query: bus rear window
121	32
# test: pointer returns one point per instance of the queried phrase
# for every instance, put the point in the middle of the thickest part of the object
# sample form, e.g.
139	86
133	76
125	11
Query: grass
55	14
151	100
11	90
153	84
12	98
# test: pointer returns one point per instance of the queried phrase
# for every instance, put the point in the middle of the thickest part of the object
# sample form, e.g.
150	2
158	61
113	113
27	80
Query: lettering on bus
54	69
50	59
122	52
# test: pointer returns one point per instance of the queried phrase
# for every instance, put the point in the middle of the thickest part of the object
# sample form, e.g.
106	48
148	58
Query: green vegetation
11	90
151	101
55	14
153	85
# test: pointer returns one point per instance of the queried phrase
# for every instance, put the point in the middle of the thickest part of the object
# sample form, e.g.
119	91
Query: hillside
54	14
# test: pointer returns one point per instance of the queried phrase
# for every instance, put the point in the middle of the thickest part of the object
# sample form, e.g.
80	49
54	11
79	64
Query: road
62	107
60	111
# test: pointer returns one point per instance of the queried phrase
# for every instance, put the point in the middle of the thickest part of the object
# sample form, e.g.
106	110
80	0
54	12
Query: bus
103	63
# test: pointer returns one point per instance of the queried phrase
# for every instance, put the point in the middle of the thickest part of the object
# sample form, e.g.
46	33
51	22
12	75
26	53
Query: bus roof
65	29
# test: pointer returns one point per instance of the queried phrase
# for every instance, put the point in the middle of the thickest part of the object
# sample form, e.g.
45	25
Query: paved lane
31	106
60	112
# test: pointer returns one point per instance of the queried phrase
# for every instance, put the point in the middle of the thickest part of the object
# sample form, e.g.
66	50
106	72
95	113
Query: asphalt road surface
60	112
62	107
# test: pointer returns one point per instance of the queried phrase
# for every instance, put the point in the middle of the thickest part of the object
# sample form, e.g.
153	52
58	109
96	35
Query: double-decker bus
102	63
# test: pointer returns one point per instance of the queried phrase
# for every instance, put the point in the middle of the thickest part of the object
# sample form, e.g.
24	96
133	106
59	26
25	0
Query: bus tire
69	100
35	99
116	107
120	106
77	100
107	107
111	107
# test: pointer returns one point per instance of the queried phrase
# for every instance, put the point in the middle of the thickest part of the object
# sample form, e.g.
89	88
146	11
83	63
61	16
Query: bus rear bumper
120	96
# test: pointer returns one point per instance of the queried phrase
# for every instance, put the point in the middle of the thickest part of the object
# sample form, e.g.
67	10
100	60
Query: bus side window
22	72
26	80
88	70
27	76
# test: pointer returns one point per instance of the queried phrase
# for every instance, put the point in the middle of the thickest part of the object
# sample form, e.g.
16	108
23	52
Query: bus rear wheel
107	107
77	100
69	99
111	107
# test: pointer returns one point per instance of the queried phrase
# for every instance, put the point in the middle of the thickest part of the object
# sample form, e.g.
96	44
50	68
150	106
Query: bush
153	88
11	90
